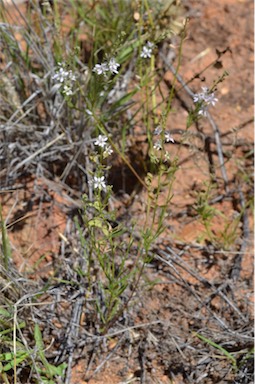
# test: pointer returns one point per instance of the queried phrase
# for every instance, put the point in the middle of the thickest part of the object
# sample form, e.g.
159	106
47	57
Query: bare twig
170	261
72	333
38	152
219	150
142	359
108	357
235	272
204	281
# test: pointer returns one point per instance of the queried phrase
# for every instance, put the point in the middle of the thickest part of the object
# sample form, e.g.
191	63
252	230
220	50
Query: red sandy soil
36	232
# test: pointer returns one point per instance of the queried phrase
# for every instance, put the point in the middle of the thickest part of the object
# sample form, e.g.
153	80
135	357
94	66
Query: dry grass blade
38	152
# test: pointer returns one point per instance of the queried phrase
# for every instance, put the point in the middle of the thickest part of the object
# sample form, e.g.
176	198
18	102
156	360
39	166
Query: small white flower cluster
167	138
205	98
65	78
147	50
101	141
98	182
102	69
63	75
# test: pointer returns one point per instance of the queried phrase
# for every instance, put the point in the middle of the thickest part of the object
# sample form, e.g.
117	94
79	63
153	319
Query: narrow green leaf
21	356
5	241
217	346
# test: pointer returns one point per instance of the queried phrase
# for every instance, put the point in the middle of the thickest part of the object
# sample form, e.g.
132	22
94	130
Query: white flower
203	110
101	141
209	96
158	145
168	137
211	100
113	66
101	69
67	90
98	182
66	78
157	130
60	76
147	50
206	98
63	75
108	151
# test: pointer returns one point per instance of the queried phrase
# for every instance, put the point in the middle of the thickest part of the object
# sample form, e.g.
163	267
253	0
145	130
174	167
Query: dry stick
171	265
91	359
70	164
219	150
21	108
210	119
212	313
142	360
100	366
16	122
126	329
239	127
235	272
41	150
72	335
203	280
32	43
